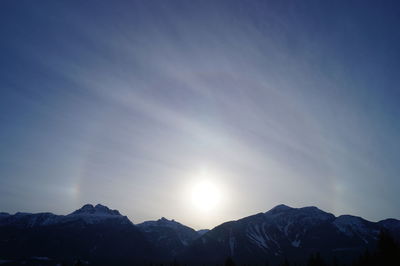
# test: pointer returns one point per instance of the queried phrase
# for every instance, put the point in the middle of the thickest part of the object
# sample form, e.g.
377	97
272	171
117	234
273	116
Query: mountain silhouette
99	235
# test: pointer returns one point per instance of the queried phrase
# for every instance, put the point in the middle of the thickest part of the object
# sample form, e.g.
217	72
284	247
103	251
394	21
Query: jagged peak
89	209
165	220
161	222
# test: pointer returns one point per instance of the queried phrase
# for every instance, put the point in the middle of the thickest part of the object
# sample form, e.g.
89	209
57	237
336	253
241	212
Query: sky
133	104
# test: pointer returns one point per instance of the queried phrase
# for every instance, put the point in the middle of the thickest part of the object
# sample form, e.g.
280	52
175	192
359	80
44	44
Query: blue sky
129	103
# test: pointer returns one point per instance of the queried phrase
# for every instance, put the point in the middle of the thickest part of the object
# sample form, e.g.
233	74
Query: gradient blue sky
127	103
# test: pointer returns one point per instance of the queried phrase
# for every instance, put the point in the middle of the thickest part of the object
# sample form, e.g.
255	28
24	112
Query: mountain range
99	235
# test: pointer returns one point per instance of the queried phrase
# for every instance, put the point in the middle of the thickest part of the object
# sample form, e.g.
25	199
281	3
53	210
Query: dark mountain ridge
99	235
283	231
168	235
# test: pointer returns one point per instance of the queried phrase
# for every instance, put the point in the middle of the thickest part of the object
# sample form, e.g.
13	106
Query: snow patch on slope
257	235
355	226
232	244
296	243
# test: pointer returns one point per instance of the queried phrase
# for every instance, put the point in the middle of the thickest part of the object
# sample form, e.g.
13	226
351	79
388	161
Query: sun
205	195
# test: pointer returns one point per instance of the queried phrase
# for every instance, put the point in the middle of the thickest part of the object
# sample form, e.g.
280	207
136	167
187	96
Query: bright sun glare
205	195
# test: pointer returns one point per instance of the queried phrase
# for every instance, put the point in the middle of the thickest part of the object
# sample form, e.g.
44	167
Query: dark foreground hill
98	235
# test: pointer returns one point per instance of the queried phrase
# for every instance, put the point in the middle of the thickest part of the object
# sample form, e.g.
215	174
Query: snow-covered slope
286	231
168	234
99	209
88	214
283	231
21	219
357	227
96	214
92	233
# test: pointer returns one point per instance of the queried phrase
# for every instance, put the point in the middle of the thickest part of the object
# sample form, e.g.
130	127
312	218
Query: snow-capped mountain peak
95	214
88	214
99	209
166	233
162	222
295	214
23	219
